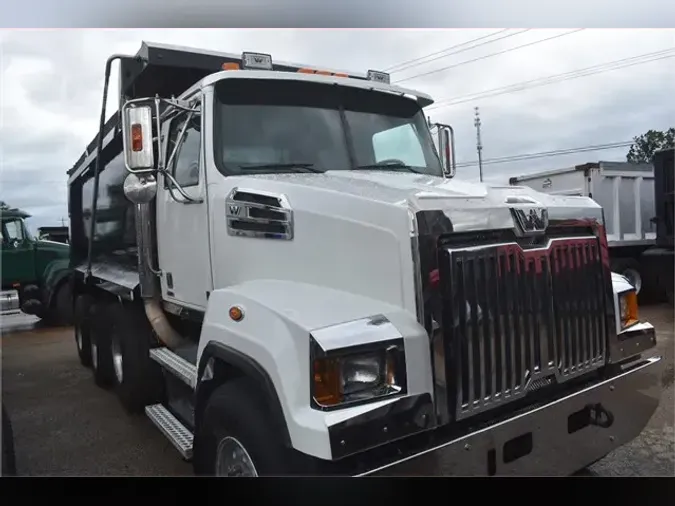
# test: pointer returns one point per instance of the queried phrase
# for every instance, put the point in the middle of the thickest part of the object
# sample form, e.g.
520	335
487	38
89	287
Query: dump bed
624	190
664	173
157	69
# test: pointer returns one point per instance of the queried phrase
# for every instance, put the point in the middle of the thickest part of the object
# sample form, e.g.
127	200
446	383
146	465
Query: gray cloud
325	13
52	83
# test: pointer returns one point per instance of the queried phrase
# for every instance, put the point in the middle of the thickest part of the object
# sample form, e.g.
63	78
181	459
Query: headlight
628	308
345	377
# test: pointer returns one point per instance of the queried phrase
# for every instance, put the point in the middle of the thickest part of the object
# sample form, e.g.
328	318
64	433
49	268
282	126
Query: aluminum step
179	435
178	366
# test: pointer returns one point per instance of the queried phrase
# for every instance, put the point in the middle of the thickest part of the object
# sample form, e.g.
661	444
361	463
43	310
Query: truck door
182	226
18	254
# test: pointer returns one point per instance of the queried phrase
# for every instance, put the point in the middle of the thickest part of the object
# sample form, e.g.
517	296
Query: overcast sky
51	84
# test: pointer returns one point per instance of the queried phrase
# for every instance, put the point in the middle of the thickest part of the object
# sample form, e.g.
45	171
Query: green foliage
645	145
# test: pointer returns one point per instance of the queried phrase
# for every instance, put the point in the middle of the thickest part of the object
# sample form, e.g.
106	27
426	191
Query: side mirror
140	188
137	135
446	147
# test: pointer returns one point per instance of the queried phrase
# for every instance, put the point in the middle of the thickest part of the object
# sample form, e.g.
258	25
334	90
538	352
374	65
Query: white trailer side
626	193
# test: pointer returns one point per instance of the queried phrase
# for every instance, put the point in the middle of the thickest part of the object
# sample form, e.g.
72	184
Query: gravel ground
64	425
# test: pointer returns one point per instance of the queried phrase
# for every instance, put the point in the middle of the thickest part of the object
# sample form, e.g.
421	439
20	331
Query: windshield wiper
387	166
298	167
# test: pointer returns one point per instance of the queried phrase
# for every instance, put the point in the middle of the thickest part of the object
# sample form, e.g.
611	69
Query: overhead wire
565	76
444	52
546	154
508	50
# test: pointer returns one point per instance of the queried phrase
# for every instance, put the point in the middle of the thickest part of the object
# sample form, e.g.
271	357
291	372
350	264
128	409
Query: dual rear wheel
114	339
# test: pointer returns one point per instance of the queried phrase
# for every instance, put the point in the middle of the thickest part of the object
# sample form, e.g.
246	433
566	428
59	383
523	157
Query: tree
645	145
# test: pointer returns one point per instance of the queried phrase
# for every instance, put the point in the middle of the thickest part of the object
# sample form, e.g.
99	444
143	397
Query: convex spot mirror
447	150
140	188
137	133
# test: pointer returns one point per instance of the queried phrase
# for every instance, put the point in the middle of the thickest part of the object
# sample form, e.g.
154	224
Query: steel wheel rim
634	279
78	338
232	459
94	354
118	361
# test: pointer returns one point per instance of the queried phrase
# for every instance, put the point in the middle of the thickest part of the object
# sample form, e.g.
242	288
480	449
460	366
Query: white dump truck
276	265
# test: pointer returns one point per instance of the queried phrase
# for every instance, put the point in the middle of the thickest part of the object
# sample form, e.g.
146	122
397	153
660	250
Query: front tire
138	379
236	437
61	311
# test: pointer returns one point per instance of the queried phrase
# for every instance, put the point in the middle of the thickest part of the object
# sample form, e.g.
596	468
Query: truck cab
275	263
35	273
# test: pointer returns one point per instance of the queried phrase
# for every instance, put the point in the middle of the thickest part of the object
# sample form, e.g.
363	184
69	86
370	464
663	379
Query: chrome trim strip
417	266
372	329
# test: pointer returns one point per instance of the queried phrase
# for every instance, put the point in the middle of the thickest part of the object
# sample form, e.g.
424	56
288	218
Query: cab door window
185	165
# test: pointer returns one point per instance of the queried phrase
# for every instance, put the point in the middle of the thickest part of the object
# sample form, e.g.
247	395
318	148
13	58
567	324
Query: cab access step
178	434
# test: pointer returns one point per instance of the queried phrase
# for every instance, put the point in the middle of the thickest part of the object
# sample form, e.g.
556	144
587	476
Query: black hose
97	167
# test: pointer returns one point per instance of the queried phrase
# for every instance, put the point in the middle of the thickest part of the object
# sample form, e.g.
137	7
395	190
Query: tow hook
599	416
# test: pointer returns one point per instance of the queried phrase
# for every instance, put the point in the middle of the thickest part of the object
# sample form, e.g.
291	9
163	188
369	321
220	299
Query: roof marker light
380	77
256	61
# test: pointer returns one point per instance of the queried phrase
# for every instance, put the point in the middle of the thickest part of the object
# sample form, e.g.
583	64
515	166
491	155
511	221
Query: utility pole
479	145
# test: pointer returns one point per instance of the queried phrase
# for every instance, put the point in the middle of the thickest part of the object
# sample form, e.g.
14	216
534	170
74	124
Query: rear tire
101	350
138	379
236	421
81	327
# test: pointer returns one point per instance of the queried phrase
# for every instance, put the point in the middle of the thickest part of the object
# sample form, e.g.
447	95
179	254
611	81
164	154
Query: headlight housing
359	374
628	308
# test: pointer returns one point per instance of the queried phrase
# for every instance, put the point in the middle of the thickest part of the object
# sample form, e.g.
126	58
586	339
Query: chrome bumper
539	442
9	302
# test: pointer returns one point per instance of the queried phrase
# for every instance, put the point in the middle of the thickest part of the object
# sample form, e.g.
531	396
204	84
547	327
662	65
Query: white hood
422	191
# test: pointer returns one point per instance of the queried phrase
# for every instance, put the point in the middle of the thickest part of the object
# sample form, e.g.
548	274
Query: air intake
254	213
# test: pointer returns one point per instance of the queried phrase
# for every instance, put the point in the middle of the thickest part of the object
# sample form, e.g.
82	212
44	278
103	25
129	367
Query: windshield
294	126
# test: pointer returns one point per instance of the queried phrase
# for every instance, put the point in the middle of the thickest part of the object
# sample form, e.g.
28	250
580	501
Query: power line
546	154
565	76
443	69
411	63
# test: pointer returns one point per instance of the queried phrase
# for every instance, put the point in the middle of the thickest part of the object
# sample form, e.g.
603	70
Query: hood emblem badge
530	220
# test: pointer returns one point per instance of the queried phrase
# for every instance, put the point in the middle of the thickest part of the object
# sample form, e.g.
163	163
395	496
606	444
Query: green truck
35	273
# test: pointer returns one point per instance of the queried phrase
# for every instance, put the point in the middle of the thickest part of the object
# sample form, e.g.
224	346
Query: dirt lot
64	425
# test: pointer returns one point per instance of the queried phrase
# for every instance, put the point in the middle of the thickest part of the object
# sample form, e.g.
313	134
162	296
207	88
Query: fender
251	369
274	337
56	273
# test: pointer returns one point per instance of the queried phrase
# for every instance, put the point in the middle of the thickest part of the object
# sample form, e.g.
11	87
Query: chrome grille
520	319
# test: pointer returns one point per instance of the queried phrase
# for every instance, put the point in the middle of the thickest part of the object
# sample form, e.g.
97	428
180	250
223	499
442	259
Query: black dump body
664	174
155	70
58	234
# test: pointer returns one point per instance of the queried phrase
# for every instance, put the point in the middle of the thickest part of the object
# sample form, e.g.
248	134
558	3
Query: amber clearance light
327	391
629	309
136	137
236	313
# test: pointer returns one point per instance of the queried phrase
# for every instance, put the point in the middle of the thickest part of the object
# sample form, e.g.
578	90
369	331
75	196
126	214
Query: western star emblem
235	209
531	220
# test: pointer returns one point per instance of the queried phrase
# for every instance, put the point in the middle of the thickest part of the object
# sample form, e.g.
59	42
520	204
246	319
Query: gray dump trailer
626	193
